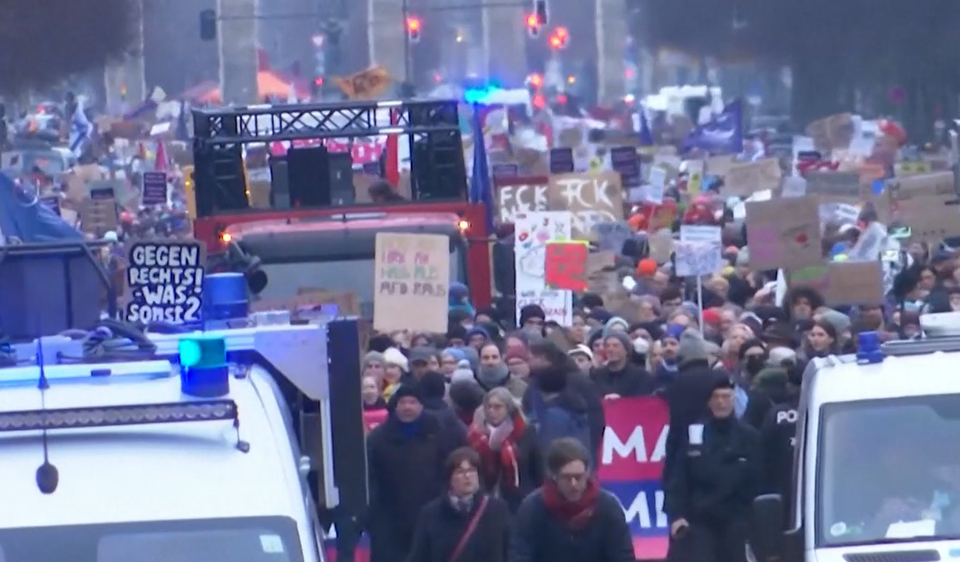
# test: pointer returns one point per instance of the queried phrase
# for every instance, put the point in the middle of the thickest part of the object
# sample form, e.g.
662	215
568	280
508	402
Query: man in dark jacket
620	377
570	518
688	394
716	476
405	468
433	387
557	381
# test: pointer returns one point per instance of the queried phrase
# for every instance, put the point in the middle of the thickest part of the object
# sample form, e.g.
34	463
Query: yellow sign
365	84
911	168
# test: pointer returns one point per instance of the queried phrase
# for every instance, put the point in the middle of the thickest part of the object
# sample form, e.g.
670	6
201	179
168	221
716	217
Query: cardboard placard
154	188
412	282
719	165
835	131
165	281
515	196
591	198
625	161
99	211
836	187
927	203
566	266
366	84
612	235
842	283
784	233
602	275
750	177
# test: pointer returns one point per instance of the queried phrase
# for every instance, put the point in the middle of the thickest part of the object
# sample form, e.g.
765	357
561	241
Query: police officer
716	477
778	435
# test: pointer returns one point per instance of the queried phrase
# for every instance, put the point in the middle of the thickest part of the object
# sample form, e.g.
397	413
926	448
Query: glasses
464	472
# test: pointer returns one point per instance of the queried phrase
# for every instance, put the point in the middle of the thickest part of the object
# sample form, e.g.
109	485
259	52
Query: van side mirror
766	528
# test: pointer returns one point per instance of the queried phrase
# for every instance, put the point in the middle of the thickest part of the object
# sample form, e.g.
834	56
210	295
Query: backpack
555	422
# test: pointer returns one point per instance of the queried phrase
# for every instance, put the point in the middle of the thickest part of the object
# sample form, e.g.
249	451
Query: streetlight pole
407	63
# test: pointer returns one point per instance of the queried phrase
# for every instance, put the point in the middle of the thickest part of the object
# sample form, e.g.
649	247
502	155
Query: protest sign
411	283
561	161
625	161
836	187
694	176
912	168
524	194
566	266
532	233
154	188
842	283
719	165
631	465
611	235
835	131
927	203
505	170
699	251
745	179
366	84
783	233
591	198
661	245
602	275
165	281
657	185
99	212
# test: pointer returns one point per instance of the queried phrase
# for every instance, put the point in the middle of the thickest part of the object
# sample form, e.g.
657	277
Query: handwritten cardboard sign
611	235
519	195
842	283
835	131
99	211
927	203
592	198
835	187
366	84
165	279
411	283
566	266
783	233
750	177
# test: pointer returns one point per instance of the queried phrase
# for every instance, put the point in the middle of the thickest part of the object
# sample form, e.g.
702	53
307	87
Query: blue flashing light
204	371
868	348
480	95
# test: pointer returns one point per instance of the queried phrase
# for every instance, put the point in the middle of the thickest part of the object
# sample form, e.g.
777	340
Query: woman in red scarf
510	463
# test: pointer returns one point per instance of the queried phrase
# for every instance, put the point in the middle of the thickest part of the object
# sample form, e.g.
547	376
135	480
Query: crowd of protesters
496	418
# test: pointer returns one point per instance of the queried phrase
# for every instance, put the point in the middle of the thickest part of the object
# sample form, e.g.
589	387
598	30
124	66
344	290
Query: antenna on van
48	477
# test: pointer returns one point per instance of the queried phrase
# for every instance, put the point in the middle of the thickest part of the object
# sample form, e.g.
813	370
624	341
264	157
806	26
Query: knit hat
462	372
516	352
478	331
646	268
608	326
601	315
373	357
692	348
673	331
432	385
456	331
711	317
454	352
622	337
395	357
582	350
780	354
839	320
532	311
593	336
421	354
403	391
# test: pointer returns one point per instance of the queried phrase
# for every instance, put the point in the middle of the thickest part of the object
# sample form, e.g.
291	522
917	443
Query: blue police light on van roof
204	371
868	348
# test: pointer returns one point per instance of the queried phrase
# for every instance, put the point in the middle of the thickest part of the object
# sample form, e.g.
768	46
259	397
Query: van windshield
888	470
261	539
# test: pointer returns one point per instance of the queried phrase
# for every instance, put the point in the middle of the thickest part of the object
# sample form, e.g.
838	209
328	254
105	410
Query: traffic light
533	26
208	25
413	30
535	81
558	40
540	10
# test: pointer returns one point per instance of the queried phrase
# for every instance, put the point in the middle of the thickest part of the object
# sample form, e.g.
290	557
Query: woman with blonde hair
510	463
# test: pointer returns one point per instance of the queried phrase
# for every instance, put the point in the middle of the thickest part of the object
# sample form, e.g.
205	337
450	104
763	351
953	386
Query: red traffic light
413	24
561	32
555	42
539	101
318	81
532	21
535	80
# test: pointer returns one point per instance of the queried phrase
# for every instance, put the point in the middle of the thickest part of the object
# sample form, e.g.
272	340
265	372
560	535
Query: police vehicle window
285	279
884	463
243	545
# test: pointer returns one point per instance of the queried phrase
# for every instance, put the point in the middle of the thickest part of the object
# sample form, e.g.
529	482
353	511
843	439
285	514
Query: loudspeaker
279	183
308	174
341	177
438	168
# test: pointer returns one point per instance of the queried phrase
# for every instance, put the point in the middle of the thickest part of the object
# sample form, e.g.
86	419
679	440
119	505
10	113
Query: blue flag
30	220
646	135
723	134
481	190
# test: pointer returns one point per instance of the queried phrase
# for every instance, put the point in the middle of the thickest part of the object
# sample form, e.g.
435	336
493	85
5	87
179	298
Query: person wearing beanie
449	359
462	372
532	318
518	361
420	360
620	377
493	373
433	390
719	444
405	457
456	335
380	343
615	324
689	392
373	365
582	357
595	343
458	297
395	372
477	336
598	318
646	268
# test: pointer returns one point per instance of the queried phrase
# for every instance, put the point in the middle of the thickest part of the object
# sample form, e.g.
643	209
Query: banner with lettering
631	463
411	282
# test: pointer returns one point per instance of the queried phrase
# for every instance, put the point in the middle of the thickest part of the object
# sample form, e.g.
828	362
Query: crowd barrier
631	461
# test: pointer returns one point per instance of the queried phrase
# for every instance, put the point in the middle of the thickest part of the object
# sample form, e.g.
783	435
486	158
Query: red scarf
575	515
502	463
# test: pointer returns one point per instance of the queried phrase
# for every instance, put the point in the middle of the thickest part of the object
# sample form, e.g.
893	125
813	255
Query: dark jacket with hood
688	394
767	390
405	469
580	396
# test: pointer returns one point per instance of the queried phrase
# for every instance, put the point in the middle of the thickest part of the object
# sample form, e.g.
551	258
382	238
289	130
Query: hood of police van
913	551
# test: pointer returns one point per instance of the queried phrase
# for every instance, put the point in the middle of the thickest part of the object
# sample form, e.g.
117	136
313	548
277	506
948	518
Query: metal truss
268	123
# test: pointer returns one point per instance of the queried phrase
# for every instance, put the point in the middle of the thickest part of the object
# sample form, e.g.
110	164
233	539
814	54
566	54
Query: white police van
193	459
877	466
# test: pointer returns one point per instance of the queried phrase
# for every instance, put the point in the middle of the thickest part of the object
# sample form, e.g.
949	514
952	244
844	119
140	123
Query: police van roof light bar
114	416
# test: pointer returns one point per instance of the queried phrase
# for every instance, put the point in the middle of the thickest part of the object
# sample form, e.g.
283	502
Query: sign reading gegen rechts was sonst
165	279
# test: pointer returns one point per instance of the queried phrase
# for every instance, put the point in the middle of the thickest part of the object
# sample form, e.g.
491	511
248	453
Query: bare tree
45	41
